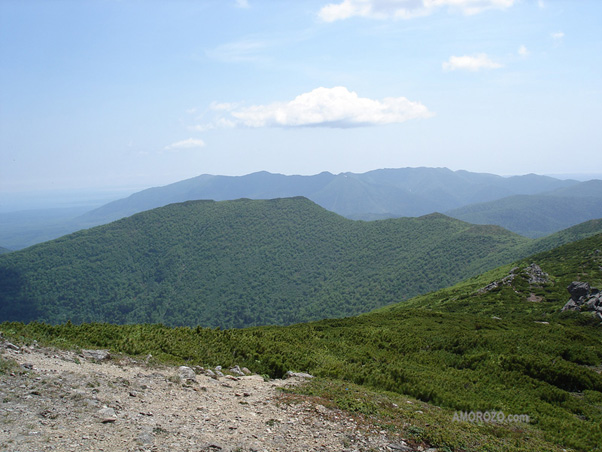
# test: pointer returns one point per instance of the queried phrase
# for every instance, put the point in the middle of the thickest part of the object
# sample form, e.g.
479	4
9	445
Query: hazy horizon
97	196
122	95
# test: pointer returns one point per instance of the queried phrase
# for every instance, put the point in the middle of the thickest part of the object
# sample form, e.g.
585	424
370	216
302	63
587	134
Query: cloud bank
404	9
470	63
324	107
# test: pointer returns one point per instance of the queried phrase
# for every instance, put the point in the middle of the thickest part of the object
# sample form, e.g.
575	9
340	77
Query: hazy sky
101	94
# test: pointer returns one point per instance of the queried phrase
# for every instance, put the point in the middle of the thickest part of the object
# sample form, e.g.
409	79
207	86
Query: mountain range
385	193
249	262
530	205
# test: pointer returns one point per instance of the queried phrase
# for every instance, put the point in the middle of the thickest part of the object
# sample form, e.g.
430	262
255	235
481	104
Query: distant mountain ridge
378	194
384	193
540	214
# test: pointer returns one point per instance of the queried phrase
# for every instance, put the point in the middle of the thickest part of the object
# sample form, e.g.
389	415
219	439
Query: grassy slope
456	349
243	263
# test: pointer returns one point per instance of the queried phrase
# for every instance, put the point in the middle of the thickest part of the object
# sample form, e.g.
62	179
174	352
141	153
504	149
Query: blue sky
112	94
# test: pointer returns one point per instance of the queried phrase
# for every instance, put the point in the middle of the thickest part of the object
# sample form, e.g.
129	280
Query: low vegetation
461	349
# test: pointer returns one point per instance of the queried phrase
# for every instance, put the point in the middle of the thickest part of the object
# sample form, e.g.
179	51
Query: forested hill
242	263
538	215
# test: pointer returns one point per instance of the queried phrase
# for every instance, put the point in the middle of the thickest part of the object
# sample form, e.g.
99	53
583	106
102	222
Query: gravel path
61	401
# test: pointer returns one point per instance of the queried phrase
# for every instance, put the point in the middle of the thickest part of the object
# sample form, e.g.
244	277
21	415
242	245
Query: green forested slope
579	260
242	263
460	349
538	215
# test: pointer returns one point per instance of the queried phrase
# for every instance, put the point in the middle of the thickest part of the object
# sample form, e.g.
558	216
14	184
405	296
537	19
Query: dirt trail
60	401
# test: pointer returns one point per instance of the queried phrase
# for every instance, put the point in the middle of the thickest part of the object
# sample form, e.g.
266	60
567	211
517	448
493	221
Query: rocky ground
54	400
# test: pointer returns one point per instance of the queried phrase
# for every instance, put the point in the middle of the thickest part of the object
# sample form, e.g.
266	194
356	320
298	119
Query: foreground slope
148	410
507	349
242	263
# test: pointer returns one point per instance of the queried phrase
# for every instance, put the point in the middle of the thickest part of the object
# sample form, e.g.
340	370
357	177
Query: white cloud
190	143
470	63
242	3
404	9
557	36
326	107
522	51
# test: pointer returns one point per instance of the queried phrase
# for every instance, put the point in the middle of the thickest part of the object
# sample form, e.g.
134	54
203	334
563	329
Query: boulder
186	373
594	303
107	415
96	355
291	374
584	298
237	371
578	290
11	346
571	305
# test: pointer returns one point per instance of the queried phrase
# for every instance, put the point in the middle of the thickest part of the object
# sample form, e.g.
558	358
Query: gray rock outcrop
532	273
536	275
578	290
584	298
